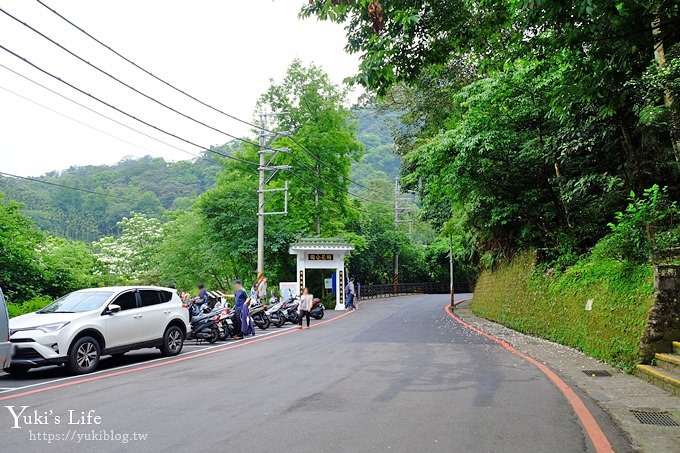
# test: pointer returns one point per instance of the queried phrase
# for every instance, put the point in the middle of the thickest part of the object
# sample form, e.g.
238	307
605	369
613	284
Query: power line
63	186
111	76
321	191
177	111
238	159
75	120
168	84
108	195
333	183
97	113
117	197
165	105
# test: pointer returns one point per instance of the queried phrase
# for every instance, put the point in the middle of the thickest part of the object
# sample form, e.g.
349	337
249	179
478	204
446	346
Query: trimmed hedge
552	305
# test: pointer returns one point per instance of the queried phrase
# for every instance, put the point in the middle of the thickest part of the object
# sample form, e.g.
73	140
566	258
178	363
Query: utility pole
316	205
260	196
451	290
398	210
267	172
395	280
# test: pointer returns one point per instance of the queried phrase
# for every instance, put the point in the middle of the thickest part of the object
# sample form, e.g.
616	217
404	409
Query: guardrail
376	291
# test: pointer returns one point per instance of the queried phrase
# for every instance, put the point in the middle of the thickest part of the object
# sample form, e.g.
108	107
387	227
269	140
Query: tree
129	256
32	264
323	144
528	121
20	277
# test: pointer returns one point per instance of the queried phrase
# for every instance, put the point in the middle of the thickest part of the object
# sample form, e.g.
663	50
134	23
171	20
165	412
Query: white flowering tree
129	255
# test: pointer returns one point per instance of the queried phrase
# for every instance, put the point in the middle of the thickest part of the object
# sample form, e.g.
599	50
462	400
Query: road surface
398	375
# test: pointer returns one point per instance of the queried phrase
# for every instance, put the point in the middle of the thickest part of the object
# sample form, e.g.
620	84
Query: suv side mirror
113	308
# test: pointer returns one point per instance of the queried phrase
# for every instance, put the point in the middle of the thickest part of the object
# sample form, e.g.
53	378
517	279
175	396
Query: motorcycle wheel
264	322
320	315
214	335
279	321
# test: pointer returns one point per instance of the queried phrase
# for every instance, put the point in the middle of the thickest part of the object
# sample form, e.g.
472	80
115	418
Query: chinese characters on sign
320	257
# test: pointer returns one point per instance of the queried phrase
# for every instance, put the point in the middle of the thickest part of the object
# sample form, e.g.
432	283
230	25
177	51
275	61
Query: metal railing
402	289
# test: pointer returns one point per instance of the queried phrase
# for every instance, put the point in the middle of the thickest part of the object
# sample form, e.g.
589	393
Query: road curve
399	375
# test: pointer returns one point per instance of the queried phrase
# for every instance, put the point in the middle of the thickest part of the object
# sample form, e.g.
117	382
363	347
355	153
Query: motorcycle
289	311
203	323
225	320
274	312
259	314
318	309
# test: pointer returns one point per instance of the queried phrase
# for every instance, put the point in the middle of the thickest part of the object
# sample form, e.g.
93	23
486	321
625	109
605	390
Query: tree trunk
668	98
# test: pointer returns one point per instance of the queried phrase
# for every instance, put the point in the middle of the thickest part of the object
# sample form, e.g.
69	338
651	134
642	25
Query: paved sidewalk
618	394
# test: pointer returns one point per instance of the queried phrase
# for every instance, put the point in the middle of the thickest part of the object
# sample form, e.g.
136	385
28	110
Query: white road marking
260	335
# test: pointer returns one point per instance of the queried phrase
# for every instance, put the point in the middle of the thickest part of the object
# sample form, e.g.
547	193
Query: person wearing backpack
349	290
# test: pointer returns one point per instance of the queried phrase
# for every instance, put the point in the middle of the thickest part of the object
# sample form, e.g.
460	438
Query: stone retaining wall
663	323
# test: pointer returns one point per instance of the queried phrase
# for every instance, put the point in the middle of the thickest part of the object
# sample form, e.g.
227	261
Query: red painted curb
595	433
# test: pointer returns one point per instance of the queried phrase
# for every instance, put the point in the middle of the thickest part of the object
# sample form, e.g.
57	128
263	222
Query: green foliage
20	278
552	305
186	256
146	185
530	121
321	126
29	306
648	226
32	264
129	255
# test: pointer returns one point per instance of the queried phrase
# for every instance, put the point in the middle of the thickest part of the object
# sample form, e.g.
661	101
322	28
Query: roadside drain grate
597	373
654	418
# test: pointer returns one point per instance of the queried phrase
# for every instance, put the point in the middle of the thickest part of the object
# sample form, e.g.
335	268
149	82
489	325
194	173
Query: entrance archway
323	253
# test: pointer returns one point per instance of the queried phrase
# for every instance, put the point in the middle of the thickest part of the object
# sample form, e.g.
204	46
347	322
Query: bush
328	302
646	228
29	306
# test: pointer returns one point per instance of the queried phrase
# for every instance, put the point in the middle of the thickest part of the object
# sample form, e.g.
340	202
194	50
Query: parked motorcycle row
214	321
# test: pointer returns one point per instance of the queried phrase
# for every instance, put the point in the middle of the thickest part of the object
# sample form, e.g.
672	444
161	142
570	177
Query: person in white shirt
262	290
306	301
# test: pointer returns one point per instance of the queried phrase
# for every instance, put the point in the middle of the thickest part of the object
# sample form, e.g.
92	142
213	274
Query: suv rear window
166	296
149	297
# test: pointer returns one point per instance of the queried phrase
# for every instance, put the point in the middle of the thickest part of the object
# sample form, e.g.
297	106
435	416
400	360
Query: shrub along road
398	375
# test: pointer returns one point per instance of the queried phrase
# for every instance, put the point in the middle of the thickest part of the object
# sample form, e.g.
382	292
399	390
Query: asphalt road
398	375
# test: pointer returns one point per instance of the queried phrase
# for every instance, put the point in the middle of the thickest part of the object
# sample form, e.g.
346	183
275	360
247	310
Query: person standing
350	295
247	323
202	294
240	299
262	290
306	301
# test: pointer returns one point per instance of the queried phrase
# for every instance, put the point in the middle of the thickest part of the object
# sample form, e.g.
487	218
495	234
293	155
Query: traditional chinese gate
321	253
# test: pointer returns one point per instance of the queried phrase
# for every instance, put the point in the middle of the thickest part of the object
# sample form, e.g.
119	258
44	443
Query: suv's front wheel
84	356
173	340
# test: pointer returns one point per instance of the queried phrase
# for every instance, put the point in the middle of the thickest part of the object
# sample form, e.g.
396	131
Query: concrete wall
663	323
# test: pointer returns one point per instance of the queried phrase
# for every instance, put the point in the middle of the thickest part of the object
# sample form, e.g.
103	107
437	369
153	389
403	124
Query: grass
553	306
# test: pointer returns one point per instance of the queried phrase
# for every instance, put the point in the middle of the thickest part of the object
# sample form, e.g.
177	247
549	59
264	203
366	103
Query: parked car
5	345
81	327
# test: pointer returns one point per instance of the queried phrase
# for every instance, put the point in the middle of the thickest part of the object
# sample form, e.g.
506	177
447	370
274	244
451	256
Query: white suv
82	326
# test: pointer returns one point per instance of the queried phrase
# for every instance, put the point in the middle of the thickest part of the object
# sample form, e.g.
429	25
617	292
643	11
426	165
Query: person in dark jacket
240	300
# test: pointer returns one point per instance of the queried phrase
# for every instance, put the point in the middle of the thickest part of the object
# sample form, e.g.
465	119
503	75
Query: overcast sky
221	51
